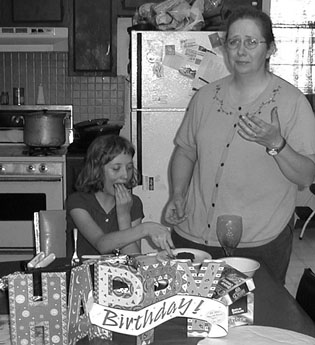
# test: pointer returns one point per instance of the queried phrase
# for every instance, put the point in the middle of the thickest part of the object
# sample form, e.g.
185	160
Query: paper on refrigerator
212	68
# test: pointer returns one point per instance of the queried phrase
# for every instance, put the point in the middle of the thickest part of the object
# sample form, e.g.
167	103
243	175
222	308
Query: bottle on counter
40	94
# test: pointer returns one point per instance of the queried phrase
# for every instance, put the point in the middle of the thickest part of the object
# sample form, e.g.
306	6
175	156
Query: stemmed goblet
229	232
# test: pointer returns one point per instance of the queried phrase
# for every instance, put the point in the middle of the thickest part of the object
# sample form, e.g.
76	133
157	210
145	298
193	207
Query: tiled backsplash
91	97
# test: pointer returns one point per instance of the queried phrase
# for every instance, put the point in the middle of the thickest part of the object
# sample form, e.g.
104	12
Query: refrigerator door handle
139	106
139	147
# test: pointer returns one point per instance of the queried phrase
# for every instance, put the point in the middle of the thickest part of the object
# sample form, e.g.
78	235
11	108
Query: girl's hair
101	151
260	17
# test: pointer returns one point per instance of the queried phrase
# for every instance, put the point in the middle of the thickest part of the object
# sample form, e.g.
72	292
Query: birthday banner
140	321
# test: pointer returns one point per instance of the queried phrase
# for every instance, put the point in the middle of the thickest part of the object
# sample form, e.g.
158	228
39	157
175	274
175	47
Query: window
294	30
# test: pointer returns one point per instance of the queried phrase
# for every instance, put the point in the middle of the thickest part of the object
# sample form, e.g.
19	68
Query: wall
91	97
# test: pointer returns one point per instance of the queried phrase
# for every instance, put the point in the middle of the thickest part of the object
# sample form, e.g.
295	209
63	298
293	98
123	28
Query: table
273	306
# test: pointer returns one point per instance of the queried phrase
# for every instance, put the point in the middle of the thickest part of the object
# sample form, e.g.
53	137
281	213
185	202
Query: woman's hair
260	17
101	151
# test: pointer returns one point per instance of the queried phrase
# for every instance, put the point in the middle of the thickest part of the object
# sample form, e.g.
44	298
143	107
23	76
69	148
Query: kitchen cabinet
50	13
93	38
35	11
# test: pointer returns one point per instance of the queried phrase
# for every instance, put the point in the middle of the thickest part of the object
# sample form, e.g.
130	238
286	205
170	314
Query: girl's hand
160	235
123	199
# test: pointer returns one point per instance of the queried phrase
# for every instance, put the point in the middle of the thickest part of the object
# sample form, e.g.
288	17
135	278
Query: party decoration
125	297
30	314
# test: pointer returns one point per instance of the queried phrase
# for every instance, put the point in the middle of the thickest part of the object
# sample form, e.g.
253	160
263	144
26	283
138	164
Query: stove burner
36	151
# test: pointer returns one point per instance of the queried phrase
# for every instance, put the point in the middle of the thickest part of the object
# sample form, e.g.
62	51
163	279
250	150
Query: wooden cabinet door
37	11
92	47
50	13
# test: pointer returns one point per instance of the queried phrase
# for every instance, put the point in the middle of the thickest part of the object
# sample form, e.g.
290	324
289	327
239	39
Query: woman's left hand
123	198
252	128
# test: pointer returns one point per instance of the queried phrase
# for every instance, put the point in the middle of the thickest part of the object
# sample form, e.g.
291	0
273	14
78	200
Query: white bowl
244	265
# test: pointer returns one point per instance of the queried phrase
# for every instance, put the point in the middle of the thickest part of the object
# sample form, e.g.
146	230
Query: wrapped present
232	285
241	312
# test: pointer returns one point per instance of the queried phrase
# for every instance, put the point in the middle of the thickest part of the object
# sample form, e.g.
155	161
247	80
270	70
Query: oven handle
30	178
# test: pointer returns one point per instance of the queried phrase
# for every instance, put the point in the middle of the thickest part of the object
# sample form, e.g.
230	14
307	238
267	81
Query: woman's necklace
221	103
249	93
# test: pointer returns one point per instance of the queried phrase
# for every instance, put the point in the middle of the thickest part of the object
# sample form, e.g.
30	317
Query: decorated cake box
241	312
232	285
124	297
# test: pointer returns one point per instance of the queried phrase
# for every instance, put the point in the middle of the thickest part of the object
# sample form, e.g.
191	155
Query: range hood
33	39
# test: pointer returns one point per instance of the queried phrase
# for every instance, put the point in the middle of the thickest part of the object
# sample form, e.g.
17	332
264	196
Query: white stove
31	179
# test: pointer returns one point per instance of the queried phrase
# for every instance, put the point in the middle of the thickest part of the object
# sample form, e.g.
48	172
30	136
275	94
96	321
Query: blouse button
106	220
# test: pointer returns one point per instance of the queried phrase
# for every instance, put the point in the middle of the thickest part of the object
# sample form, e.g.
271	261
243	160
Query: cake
185	255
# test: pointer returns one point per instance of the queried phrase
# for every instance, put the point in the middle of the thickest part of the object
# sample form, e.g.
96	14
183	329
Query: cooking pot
44	129
85	132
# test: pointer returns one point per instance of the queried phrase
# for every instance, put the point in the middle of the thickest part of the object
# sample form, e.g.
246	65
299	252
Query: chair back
50	232
305	294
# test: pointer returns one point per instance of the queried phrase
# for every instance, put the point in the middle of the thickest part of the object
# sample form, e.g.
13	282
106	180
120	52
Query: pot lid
101	128
48	113
91	123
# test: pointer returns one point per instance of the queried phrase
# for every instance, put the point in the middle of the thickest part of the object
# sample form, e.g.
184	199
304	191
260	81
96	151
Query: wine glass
229	232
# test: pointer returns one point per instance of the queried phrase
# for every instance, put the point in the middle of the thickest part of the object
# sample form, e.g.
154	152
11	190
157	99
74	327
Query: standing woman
245	145
106	213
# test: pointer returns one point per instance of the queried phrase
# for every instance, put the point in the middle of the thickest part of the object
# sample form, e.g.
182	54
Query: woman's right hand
160	236
175	213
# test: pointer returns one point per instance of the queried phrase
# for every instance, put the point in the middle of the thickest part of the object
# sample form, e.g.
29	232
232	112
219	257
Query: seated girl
103	209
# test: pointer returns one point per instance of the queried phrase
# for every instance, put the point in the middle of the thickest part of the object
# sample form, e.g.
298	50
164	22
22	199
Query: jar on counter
18	95
4	98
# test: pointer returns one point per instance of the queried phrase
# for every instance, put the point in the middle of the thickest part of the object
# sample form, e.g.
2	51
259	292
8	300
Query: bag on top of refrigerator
180	15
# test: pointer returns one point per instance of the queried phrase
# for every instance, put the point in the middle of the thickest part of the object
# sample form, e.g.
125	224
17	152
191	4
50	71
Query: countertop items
4	98
40	94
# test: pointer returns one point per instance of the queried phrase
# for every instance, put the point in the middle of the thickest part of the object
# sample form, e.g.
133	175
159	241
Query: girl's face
241	59
118	170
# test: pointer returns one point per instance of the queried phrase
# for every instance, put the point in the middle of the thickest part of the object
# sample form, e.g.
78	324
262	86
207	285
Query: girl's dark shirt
106	221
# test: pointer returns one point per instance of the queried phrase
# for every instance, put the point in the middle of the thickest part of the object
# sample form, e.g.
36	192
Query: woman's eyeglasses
249	43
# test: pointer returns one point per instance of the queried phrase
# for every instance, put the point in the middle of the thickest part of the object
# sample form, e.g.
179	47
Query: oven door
20	197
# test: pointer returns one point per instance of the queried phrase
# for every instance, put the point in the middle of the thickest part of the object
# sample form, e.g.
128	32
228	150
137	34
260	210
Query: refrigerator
167	68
